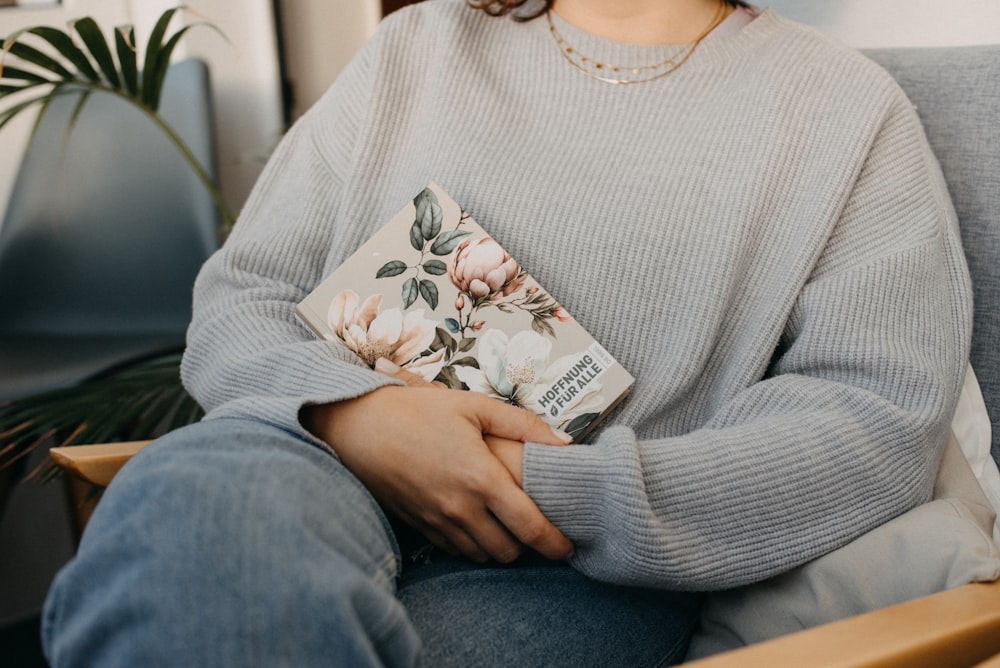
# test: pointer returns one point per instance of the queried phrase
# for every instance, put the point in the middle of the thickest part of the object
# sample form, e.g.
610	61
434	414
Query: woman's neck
643	21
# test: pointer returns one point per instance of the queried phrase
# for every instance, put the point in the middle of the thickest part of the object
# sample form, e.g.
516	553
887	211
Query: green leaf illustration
441	340
416	237
410	292
467	361
429	292
435	267
450	379
429	215
579	423
446	242
393	268
466	345
452	325
541	326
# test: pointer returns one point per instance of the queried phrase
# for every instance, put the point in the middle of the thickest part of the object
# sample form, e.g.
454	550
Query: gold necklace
582	63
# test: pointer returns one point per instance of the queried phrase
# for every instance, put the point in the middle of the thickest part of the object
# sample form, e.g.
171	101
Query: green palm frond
139	401
42	62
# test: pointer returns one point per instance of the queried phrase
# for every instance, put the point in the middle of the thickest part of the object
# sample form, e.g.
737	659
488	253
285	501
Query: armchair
957	94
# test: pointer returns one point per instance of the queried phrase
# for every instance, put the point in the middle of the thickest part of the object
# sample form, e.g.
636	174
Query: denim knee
225	543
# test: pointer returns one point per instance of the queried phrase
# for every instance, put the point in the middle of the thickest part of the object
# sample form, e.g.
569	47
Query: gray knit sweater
762	238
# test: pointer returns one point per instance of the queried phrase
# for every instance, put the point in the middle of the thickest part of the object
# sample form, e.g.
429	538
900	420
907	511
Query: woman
745	214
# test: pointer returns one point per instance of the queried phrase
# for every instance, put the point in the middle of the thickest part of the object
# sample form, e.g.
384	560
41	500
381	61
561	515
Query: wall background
897	23
320	37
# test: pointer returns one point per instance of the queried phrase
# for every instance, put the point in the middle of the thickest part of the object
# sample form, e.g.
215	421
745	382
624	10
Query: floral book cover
434	293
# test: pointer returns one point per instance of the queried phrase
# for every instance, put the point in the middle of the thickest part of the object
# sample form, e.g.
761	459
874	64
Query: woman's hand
421	452
508	451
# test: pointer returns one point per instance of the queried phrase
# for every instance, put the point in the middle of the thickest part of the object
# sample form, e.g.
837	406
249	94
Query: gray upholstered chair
956	92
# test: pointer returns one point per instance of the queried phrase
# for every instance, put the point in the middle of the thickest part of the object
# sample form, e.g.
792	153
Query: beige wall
320	37
245	77
899	23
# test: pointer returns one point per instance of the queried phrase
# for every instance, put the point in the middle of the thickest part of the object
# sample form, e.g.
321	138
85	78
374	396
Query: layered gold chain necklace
619	74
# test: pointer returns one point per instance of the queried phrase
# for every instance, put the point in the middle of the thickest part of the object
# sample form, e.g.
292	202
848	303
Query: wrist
337	421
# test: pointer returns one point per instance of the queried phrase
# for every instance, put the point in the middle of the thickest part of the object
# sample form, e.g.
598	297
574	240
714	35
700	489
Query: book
436	294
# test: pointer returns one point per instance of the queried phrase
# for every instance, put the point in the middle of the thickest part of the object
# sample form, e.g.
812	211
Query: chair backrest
956	91
107	225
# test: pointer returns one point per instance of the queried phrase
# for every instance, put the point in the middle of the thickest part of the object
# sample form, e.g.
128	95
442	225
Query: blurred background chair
105	231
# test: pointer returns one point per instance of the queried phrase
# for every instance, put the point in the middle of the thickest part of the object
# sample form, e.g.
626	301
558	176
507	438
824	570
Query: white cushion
973	430
936	546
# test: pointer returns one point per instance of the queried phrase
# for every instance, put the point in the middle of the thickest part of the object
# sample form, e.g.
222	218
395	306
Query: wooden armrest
992	662
97	464
958	627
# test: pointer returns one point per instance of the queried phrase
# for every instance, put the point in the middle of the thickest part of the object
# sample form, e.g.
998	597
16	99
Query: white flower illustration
518	372
373	334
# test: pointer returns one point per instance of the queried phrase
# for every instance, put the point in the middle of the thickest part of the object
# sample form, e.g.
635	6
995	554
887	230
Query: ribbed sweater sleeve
842	432
247	354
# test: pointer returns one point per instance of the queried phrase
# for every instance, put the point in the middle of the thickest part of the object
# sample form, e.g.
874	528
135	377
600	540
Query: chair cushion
941	544
971	428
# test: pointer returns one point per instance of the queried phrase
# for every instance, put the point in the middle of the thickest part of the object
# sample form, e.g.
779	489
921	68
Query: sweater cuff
567	484
349	382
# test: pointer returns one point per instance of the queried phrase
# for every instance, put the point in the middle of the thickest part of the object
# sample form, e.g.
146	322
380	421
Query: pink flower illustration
482	268
561	314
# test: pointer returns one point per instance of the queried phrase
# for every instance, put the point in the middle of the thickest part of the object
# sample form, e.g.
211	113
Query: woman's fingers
509	453
476	535
518	513
456	544
515	423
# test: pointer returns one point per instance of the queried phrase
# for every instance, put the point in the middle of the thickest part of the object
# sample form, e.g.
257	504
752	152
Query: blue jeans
232	543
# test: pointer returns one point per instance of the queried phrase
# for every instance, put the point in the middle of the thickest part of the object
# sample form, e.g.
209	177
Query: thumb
494	417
